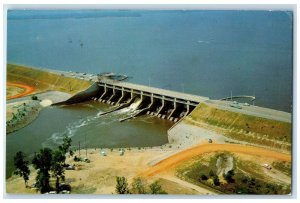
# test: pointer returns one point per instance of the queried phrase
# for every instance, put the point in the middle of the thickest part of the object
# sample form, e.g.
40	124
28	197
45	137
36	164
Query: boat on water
112	76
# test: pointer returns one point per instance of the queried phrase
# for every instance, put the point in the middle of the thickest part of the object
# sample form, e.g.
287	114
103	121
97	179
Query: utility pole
182	87
70	86
231	95
149	81
79	148
85	145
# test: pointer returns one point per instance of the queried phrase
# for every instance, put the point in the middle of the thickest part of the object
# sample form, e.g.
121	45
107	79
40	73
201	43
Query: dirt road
174	160
28	90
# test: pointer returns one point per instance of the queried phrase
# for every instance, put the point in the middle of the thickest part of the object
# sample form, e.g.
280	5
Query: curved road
28	89
175	159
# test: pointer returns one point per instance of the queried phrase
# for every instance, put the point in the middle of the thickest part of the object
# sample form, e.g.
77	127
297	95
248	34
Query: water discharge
73	127
85	125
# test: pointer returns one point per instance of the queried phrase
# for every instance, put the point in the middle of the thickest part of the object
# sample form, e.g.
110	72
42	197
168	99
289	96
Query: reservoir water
208	53
84	124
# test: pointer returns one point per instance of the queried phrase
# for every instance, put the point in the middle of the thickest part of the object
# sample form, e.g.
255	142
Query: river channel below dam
85	125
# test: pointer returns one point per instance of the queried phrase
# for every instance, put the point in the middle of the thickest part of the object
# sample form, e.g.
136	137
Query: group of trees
138	186
46	161
227	176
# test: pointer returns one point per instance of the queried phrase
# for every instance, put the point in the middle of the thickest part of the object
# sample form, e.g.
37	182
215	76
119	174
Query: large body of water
207	53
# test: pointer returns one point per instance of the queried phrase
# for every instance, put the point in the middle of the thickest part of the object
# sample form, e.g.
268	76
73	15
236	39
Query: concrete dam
165	104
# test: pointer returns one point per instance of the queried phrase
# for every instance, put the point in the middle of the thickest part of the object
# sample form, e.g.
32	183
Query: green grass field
243	127
43	80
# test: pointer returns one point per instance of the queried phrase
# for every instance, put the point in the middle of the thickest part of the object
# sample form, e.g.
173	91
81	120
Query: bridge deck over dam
162	103
155	92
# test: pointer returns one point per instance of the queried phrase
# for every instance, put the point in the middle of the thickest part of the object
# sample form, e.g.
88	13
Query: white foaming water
135	105
130	109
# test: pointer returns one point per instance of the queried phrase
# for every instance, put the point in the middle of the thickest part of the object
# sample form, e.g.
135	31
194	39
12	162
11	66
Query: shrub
211	173
155	188
216	180
204	177
77	159
138	186
228	176
122	185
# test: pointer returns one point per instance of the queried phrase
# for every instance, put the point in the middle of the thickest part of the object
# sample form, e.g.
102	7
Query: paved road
168	93
253	111
143	88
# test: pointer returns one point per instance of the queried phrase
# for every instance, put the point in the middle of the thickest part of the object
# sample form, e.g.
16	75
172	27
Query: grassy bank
243	127
43	80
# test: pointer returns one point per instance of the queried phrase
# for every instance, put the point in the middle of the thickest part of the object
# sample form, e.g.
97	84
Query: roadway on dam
253	111
157	91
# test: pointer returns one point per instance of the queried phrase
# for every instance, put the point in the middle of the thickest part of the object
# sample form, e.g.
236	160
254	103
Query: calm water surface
206	53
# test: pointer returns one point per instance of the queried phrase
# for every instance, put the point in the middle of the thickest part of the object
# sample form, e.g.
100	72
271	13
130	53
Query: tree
211	173
65	147
122	185
155	188
138	186
21	166
42	162
216	180
204	177
228	176
57	167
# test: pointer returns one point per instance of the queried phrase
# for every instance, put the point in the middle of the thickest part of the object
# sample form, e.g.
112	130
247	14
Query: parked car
267	166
